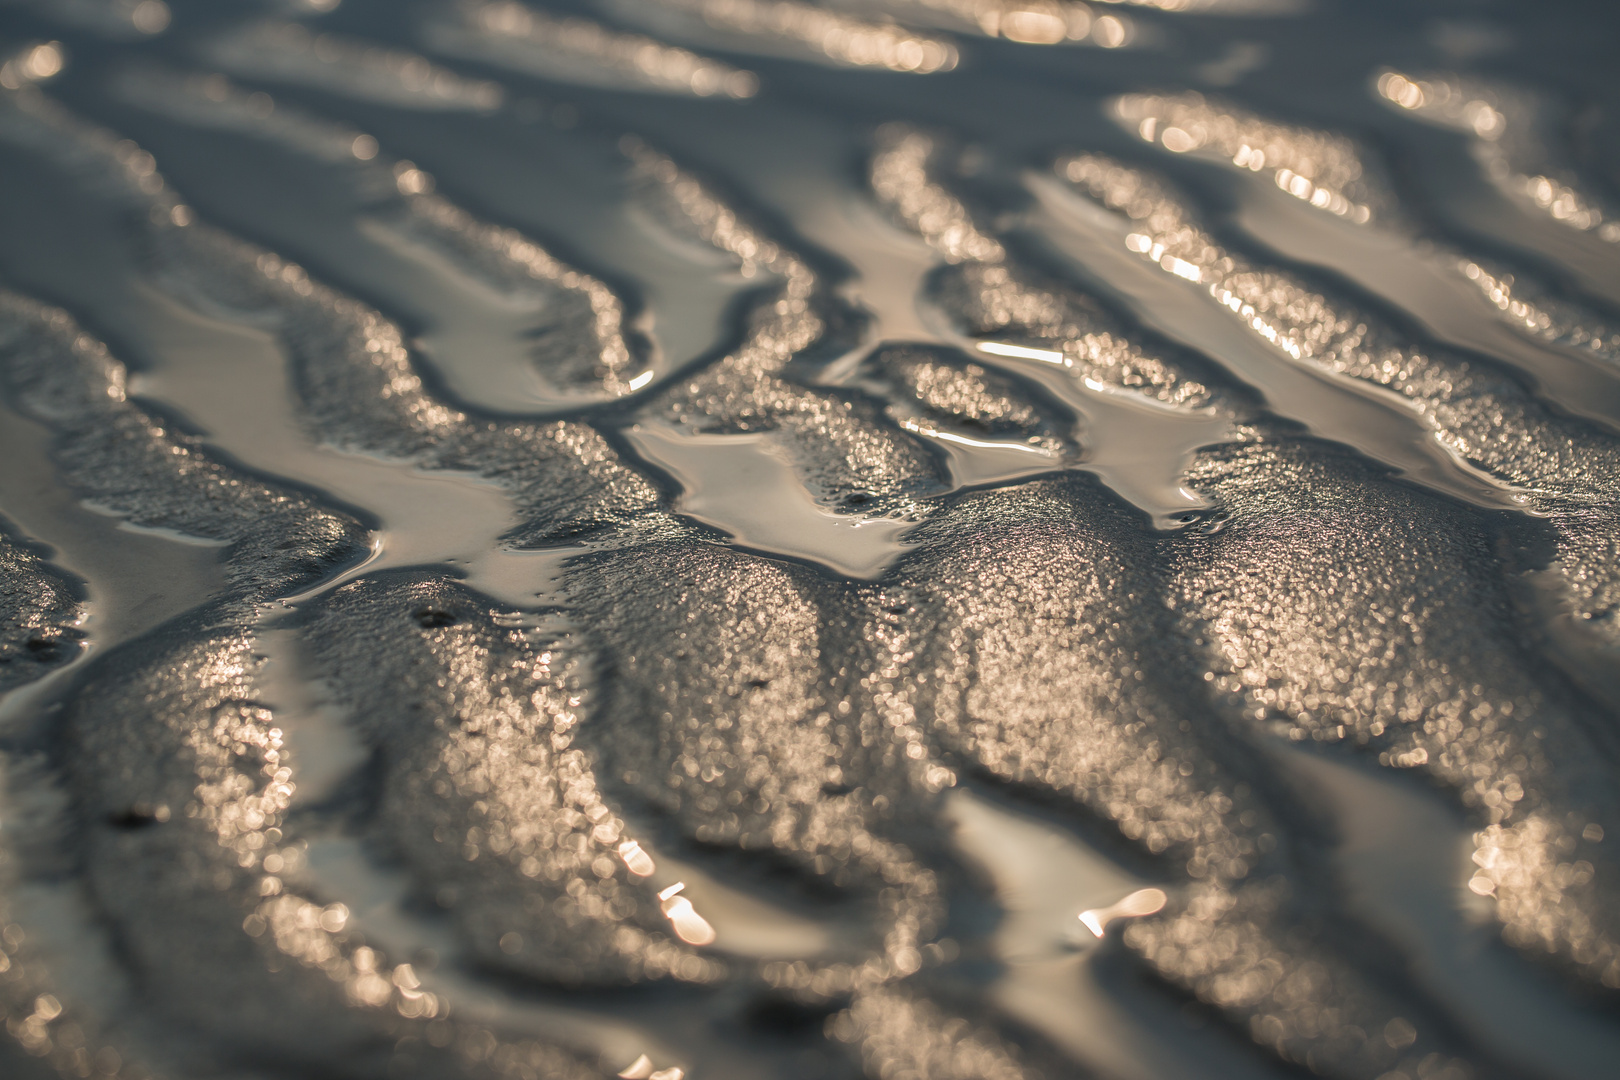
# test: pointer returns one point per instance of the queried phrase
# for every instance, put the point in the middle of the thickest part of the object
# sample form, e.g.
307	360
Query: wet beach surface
709	539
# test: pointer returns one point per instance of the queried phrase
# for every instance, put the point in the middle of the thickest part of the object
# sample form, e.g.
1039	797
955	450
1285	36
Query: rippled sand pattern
926	540
41	613
476	721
